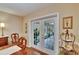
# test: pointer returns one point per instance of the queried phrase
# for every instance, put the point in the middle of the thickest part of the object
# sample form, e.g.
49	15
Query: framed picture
25	27
67	22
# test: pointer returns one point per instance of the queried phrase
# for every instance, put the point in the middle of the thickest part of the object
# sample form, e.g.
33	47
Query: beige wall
64	10
12	24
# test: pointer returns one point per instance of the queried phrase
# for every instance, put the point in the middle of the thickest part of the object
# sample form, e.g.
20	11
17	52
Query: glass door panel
49	34
36	32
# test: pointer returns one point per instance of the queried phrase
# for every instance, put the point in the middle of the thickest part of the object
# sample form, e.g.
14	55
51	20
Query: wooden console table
3	41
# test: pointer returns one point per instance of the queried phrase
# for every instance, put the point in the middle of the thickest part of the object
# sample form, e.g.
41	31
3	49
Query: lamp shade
2	25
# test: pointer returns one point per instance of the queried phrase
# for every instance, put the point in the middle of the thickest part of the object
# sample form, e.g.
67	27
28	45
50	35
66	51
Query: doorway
45	33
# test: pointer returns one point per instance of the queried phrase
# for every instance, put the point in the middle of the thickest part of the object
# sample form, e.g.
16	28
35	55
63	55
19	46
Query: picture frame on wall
68	22
25	27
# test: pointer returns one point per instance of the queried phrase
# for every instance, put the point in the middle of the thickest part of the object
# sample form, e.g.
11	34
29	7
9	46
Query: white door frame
56	50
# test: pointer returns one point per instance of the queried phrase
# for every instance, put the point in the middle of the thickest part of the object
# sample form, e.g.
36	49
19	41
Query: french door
45	33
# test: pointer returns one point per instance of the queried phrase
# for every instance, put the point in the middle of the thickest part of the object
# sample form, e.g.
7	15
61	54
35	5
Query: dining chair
14	37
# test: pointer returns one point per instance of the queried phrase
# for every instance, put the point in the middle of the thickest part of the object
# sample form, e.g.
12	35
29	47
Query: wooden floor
26	51
33	51
29	51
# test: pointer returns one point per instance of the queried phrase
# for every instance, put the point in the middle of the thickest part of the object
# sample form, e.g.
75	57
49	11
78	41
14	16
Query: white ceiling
21	9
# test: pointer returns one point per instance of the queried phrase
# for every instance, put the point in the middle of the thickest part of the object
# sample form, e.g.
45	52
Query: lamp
2	25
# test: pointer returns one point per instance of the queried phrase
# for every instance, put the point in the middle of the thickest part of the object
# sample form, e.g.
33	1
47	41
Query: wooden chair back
14	37
22	42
